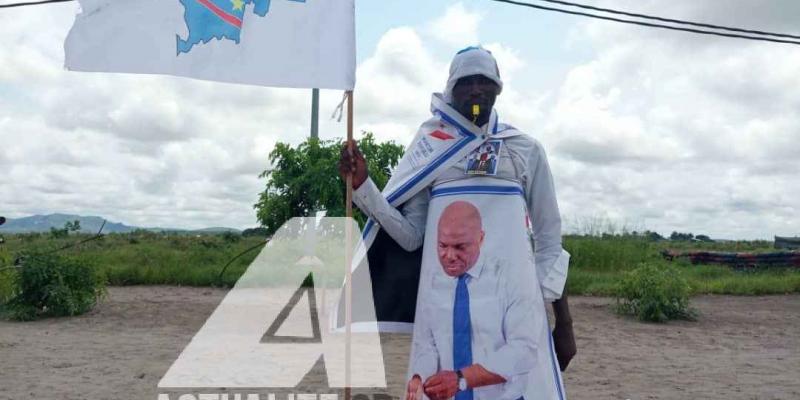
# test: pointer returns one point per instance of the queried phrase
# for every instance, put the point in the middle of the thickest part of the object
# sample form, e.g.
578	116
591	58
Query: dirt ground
741	348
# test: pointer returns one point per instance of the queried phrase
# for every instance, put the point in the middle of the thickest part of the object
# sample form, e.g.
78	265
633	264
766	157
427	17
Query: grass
149	258
596	266
6	276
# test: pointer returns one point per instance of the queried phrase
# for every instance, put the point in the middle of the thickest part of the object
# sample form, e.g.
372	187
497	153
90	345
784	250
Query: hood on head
473	60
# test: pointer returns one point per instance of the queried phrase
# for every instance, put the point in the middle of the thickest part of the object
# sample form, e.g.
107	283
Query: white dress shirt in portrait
507	320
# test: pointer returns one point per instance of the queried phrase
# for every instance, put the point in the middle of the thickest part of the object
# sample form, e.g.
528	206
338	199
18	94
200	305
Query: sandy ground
741	348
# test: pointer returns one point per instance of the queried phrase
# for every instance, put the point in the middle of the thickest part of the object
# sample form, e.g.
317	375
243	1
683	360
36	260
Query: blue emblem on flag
216	19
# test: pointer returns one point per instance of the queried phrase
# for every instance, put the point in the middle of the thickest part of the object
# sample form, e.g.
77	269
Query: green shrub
655	293
30	237
59	233
52	285
6	284
209	242
258	232
231	237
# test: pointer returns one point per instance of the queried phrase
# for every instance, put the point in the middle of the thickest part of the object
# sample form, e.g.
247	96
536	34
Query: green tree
74	226
679	236
59	233
260	231
306	178
653	236
704	238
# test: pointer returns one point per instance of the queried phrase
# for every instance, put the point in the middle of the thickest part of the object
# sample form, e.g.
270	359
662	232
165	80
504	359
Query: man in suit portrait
476	337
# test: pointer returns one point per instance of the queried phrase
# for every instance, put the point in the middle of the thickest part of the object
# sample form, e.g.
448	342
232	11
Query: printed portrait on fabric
481	229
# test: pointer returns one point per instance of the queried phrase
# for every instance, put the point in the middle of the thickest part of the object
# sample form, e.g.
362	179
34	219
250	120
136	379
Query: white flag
285	43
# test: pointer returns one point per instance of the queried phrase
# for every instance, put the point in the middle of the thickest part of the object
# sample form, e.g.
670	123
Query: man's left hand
564	343
442	385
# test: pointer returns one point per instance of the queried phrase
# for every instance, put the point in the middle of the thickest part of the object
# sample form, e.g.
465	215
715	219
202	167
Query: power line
18	262
676	21
96	236
627	21
606	10
222	271
32	3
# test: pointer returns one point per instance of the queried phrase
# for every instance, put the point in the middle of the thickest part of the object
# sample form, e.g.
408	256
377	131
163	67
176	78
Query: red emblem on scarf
441	135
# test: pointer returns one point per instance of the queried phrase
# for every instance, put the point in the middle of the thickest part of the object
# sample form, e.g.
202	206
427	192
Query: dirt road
741	348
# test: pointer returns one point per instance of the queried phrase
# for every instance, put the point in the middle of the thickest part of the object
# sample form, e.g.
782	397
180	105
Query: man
464	120
480	294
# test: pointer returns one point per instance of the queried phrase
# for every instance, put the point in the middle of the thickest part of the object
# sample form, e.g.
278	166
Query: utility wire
627	21
32	3
222	271
606	10
675	21
96	236
18	261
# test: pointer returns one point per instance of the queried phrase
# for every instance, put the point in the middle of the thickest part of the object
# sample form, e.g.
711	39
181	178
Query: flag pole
348	289
314	134
315	113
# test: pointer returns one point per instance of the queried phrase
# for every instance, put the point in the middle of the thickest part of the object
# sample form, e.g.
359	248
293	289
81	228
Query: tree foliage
681	236
704	238
74	226
305	178
58	233
69	226
259	231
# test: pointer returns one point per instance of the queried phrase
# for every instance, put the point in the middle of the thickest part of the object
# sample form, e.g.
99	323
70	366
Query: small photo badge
484	159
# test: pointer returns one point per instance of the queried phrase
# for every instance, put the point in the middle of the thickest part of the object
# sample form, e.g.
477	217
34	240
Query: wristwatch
462	382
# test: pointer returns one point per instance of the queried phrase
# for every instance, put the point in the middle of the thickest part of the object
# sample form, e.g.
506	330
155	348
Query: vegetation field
597	263
145	257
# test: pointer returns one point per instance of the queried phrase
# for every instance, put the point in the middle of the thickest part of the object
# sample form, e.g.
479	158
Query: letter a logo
262	334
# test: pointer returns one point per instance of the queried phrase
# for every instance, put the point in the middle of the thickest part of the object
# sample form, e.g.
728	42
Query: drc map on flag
217	19
286	43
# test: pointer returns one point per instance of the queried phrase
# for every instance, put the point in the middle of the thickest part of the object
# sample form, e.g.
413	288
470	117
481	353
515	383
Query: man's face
471	90
459	246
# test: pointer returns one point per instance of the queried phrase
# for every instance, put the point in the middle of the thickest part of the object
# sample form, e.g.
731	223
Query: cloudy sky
644	128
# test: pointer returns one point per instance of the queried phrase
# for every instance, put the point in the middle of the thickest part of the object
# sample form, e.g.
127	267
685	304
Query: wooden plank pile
787	242
739	260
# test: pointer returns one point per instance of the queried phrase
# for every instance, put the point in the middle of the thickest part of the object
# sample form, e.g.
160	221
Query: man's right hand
414	389
352	161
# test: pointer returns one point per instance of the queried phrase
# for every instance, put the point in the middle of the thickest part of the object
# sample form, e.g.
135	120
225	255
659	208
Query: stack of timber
787	242
739	260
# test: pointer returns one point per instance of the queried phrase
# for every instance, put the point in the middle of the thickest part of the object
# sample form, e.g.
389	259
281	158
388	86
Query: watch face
462	384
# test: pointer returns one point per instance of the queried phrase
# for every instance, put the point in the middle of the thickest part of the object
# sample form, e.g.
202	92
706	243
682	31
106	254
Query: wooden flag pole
349	195
348	288
315	113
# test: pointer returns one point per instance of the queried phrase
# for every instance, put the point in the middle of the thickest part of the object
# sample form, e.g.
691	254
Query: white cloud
456	27
509	59
392	82
701	128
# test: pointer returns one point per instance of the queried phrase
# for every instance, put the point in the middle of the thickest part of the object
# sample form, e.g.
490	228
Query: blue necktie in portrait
462	336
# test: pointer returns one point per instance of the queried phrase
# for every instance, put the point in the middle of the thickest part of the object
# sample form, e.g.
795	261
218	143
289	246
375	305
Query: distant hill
217	229
89	224
43	223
